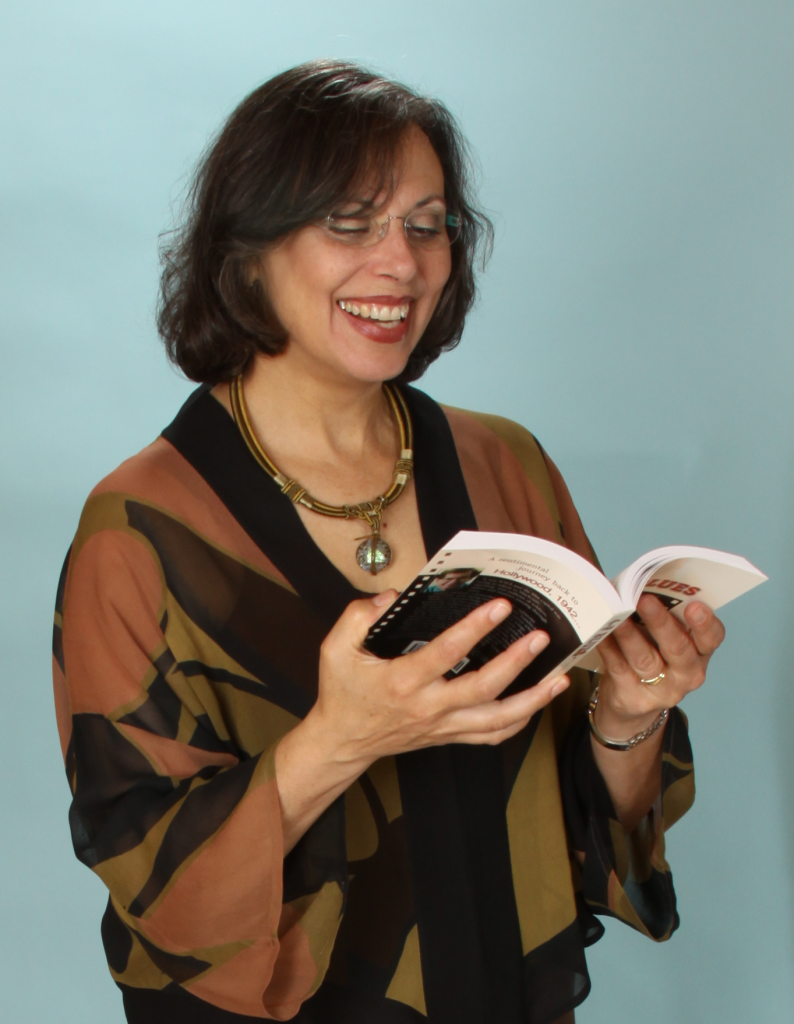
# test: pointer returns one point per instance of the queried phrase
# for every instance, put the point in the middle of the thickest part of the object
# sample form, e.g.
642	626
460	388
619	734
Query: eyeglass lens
431	228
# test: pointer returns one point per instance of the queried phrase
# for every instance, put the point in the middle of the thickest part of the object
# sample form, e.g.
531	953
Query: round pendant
373	554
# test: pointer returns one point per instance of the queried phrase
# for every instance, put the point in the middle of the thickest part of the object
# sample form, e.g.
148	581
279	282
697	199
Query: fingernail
386	597
698	615
499	612
537	643
559	686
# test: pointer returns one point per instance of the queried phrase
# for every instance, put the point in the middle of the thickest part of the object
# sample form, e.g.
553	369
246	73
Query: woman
290	828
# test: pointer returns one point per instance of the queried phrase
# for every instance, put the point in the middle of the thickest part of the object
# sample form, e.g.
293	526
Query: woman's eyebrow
362	205
429	199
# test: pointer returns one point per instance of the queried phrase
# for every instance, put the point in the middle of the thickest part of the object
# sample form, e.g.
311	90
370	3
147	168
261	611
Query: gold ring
654	680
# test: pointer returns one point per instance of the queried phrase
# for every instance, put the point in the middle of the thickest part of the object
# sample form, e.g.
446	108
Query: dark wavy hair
298	147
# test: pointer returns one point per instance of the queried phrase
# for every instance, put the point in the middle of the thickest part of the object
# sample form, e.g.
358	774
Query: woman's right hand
368	708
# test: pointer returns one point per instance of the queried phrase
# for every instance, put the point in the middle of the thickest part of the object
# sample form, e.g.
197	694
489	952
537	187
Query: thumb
356	620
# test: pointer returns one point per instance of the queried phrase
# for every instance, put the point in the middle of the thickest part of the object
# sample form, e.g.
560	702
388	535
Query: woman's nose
393	255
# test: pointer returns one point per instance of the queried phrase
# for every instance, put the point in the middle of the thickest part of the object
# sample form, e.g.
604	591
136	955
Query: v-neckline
206	435
312	549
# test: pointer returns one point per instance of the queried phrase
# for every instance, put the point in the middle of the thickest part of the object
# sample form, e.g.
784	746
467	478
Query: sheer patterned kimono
456	884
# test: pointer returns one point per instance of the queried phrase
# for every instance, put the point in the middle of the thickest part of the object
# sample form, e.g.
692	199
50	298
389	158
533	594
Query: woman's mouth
378	320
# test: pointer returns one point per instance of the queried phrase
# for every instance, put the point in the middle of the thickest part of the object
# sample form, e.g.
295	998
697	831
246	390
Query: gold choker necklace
373	553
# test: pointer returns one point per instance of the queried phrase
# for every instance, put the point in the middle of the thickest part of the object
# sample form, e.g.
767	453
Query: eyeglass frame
453	220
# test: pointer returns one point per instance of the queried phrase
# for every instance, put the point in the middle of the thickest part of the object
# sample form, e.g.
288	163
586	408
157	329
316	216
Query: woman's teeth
367	311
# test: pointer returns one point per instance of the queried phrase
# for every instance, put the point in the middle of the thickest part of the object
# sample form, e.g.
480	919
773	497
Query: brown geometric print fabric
189	618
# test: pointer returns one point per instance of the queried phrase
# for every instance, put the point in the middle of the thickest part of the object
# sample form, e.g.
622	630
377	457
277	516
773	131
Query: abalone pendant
373	554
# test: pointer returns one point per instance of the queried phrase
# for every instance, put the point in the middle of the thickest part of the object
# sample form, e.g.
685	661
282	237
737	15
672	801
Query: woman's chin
375	362
349	360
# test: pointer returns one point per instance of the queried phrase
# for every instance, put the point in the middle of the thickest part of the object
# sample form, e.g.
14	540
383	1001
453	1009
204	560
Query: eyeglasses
425	229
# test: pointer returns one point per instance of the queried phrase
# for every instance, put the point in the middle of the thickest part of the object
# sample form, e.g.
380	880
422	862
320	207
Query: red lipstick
381	318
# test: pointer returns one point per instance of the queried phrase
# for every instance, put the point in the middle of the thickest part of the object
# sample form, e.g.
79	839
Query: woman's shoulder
488	432
149	474
156	476
489	423
160	481
513	483
148	477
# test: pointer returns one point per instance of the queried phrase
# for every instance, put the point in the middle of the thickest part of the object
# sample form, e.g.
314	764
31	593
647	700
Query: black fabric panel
331	1005
456	988
69	764
588	809
203	811
174	1005
159	713
454	804
259	623
575	782
180	968
118	795
61	589
205	738
368	946
591	928
222	675
164	662
116	939
452	964
57	632
656	902
206	435
319	856
676	742
555	977
575	767
480	785
335	1005
654	899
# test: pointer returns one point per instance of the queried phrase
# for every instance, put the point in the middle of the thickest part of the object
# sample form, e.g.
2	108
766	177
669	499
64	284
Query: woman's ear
254	270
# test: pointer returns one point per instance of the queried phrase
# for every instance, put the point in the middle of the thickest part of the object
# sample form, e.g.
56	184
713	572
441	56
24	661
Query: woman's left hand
669	648
627	706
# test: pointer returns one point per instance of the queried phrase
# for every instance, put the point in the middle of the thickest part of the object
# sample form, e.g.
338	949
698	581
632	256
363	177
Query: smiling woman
324	149
330	283
289	827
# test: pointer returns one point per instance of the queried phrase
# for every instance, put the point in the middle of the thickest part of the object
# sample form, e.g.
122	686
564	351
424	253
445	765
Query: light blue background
637	316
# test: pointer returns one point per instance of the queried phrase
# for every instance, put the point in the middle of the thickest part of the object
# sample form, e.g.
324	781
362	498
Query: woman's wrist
617	721
310	775
312	750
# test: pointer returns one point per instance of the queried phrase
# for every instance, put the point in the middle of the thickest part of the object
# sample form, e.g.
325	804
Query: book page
545	592
586	601
678	575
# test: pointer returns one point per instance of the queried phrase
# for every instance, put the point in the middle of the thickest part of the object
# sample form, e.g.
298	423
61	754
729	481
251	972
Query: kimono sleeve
623	875
181	825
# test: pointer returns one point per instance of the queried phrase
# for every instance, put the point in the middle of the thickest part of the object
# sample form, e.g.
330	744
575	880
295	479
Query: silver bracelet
629	744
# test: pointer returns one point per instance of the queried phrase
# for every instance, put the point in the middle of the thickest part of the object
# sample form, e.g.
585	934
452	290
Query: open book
550	588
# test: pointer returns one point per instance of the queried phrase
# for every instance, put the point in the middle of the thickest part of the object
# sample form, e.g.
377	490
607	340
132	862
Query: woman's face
316	283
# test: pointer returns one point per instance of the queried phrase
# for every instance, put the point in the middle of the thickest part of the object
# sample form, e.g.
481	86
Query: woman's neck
300	415
340	442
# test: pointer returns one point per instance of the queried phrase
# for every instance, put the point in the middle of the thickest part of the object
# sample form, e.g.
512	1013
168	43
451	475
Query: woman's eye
348	226
425	225
423	232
